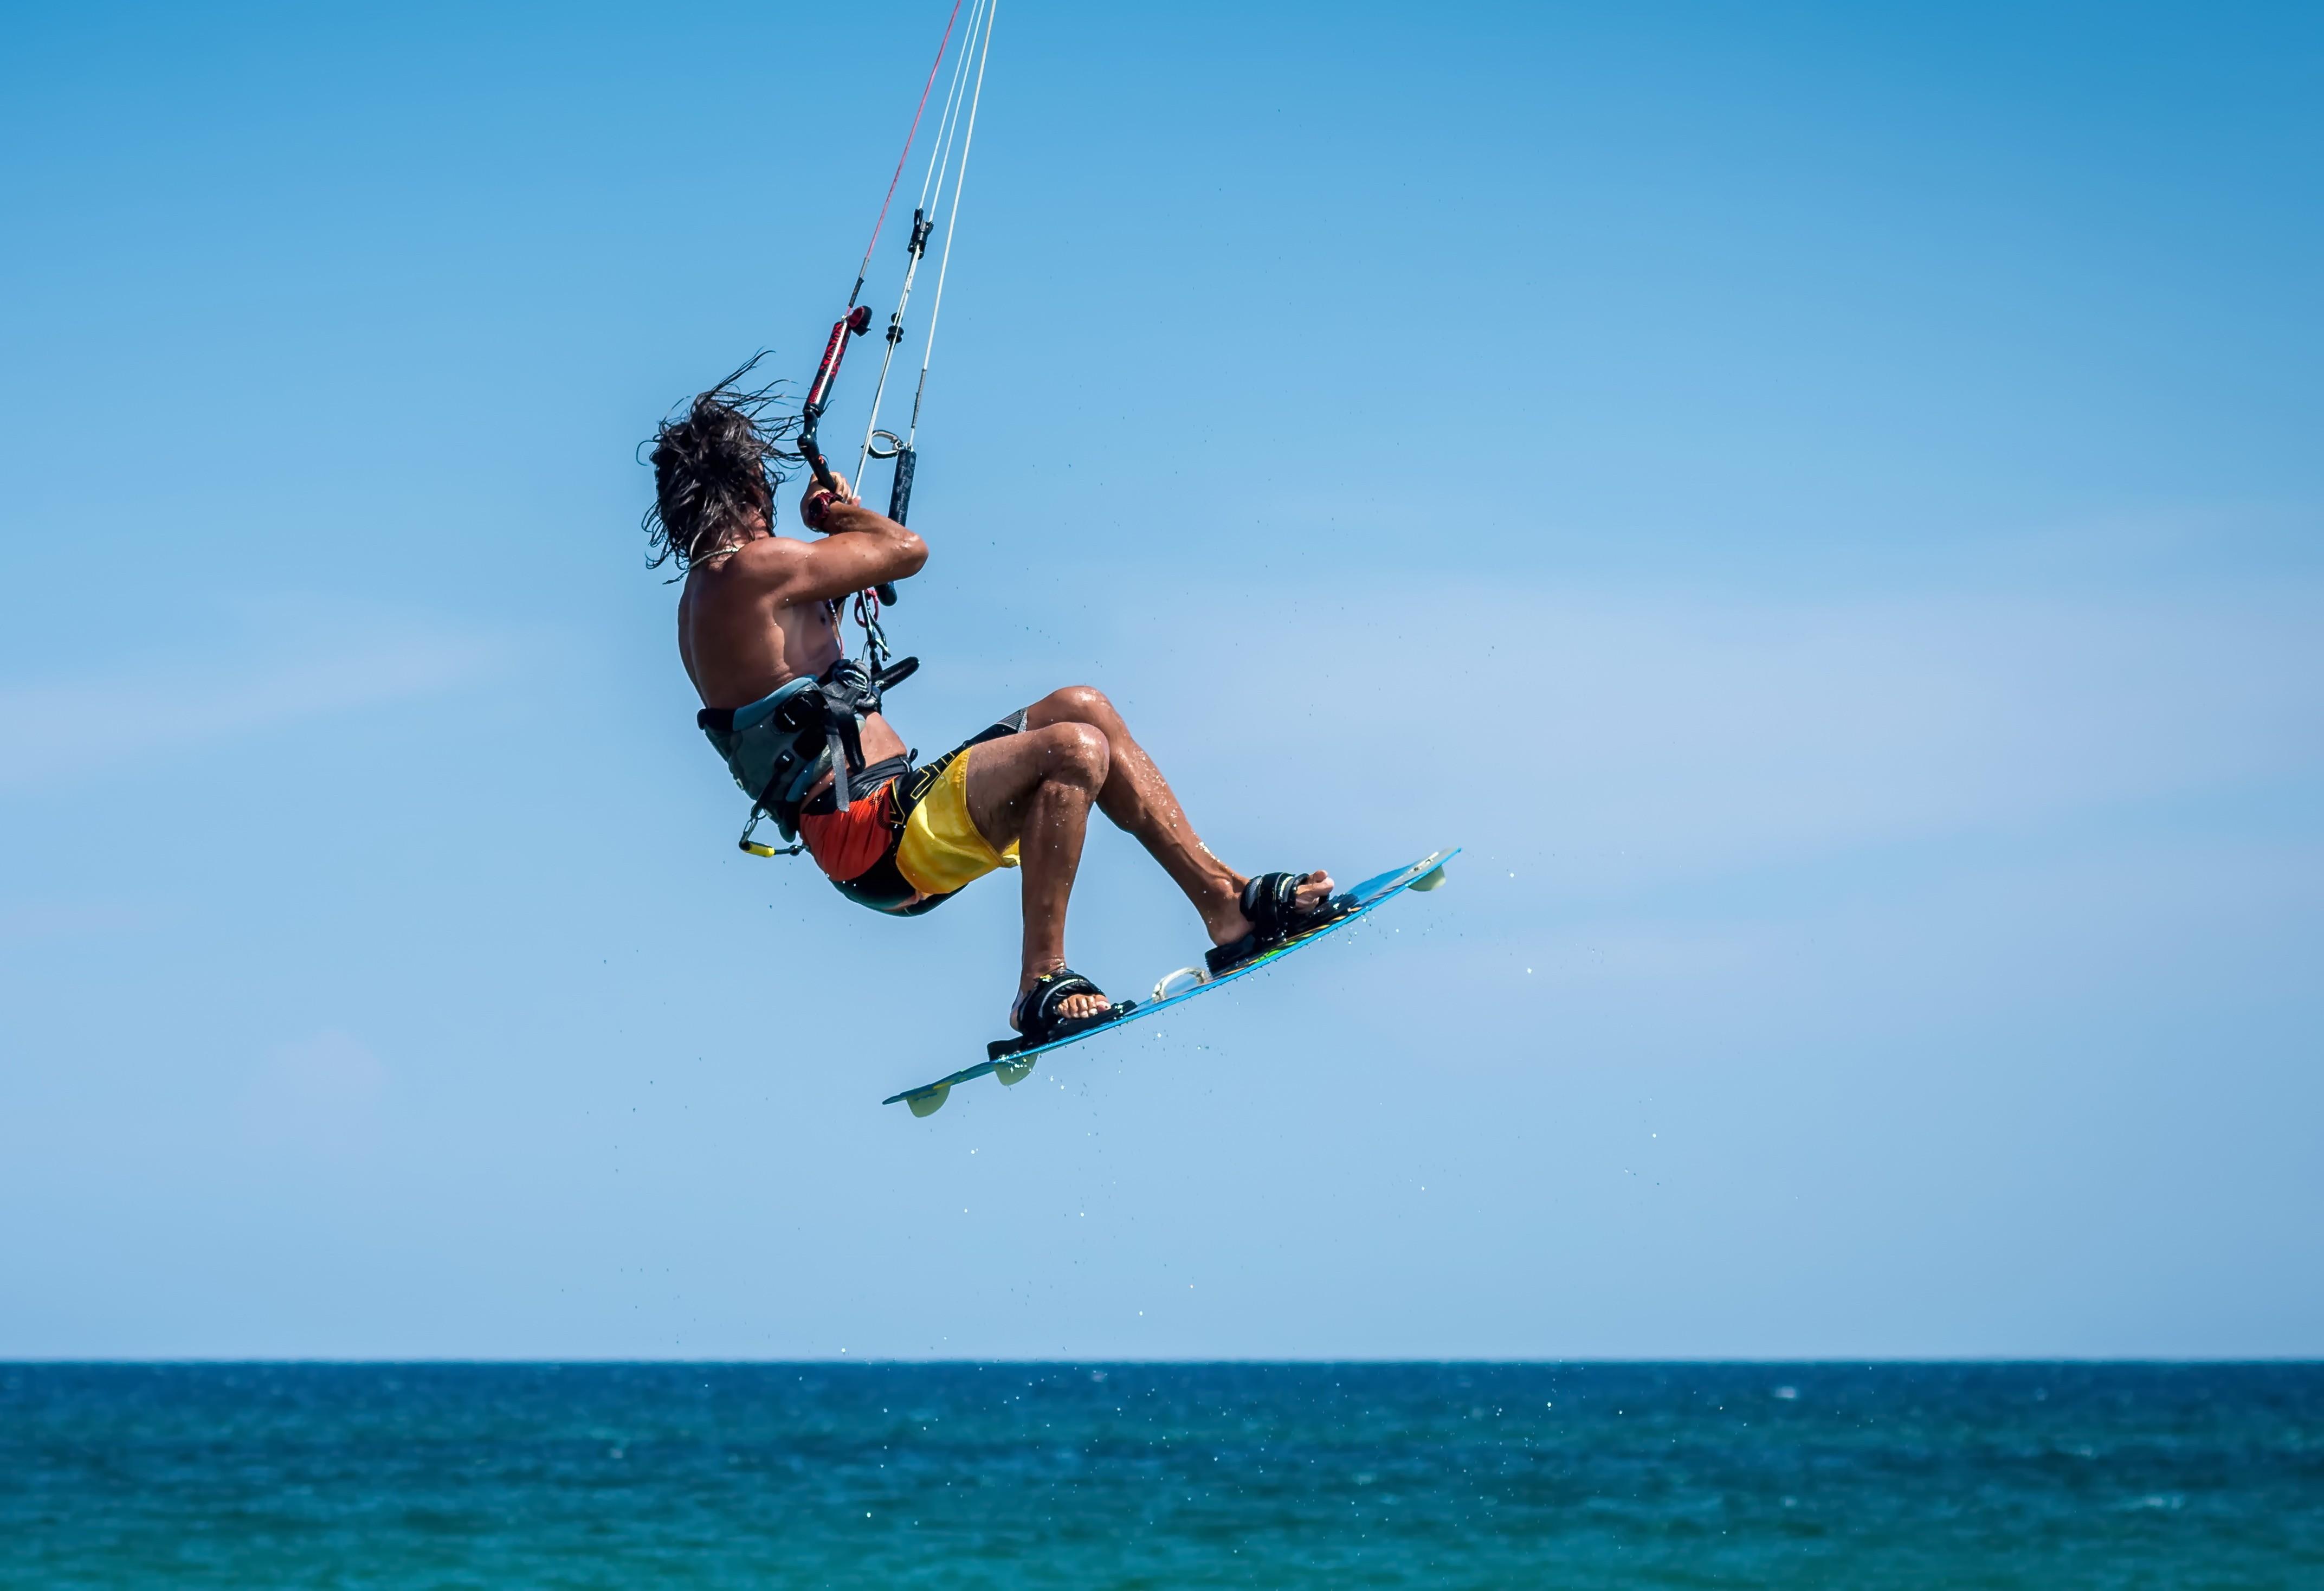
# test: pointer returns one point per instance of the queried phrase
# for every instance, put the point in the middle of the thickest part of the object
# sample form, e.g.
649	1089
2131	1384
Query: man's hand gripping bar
854	323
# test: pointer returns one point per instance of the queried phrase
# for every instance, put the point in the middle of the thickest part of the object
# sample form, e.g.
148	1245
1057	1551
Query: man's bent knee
1079	703
1078	753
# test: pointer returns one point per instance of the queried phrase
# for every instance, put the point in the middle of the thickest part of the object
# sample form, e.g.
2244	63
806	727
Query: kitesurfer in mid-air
757	629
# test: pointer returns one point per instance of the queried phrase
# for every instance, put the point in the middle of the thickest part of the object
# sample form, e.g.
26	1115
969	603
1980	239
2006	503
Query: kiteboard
1361	901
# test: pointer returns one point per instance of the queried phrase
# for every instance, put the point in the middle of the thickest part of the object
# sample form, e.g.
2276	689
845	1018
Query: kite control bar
851	324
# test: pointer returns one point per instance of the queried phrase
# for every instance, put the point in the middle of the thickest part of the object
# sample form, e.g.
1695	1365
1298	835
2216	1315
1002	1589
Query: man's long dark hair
713	467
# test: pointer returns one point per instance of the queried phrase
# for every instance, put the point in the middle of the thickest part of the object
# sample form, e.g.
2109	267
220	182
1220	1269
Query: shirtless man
758	630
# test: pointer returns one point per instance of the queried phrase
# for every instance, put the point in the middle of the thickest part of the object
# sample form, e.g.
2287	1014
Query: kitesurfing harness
780	748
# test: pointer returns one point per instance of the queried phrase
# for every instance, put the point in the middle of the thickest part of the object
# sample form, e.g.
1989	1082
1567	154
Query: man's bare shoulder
760	564
770	553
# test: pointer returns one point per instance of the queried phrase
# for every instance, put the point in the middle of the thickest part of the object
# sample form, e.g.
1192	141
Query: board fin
931	1101
1432	879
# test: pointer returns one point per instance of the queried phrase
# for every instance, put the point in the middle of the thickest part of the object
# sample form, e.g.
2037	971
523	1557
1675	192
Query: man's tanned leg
1139	801
1035	787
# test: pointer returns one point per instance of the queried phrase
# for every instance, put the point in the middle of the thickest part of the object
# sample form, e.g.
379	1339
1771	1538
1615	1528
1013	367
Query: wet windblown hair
713	465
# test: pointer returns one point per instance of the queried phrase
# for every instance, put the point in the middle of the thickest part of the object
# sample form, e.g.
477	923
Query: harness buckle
753	848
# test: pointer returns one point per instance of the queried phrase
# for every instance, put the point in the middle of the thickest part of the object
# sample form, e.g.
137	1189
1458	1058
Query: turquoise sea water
1569	1475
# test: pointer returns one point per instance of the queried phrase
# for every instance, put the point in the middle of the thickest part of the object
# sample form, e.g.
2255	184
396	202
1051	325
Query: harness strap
781	746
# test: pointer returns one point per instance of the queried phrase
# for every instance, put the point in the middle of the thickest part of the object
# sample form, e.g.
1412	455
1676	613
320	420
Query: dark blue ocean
1569	1475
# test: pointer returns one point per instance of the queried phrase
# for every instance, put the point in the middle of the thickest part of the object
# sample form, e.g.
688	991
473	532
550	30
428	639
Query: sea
2033	1475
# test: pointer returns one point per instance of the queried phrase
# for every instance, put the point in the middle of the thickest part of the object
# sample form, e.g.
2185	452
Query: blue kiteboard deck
1363	900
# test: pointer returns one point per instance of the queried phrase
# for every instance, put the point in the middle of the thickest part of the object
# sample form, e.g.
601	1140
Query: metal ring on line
894	444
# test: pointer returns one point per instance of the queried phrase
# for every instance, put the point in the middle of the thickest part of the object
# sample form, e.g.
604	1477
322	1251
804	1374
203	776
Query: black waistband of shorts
860	786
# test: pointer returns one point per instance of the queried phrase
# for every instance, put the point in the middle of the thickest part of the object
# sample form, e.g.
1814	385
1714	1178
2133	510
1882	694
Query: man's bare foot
1227	922
1073	1008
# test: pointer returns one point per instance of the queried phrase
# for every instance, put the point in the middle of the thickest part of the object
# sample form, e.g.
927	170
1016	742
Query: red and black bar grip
851	324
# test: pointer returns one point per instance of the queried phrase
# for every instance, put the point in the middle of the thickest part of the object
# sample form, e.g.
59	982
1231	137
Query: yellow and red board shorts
942	849
908	846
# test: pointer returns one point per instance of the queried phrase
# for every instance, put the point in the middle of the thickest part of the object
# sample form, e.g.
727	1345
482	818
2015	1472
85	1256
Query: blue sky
1823	503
